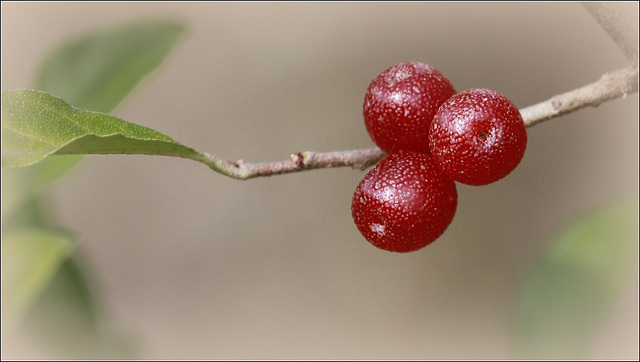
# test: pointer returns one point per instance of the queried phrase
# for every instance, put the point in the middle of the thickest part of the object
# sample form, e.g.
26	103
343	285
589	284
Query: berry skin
400	103
404	203
477	137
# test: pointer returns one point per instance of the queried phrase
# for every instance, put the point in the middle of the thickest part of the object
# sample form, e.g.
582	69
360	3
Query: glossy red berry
404	203
477	137
400	103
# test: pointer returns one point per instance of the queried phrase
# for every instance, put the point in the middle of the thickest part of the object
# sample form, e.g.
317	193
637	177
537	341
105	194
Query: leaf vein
29	135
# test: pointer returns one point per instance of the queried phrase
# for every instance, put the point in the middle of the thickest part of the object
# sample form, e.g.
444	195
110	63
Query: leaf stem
610	86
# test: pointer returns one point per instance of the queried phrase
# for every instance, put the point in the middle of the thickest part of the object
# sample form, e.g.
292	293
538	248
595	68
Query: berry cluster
434	136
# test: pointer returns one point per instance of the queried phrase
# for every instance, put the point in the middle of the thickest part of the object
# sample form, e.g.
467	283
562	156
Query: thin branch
610	86
360	159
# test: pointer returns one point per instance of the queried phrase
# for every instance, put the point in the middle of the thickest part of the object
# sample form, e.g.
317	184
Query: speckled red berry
400	103
404	203
477	137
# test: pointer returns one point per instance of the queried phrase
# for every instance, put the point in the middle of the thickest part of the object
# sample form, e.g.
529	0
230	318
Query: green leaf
127	54
98	70
30	258
574	286
36	124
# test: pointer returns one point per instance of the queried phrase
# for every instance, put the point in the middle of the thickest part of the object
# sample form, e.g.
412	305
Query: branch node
556	103
298	159
233	163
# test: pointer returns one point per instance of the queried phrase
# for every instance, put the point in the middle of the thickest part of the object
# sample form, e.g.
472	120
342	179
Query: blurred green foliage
573	287
43	280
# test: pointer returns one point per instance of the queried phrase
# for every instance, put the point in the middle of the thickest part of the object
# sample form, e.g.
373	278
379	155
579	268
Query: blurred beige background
198	266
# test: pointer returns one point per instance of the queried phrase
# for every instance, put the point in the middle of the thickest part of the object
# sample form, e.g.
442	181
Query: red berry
400	104
404	203
477	137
